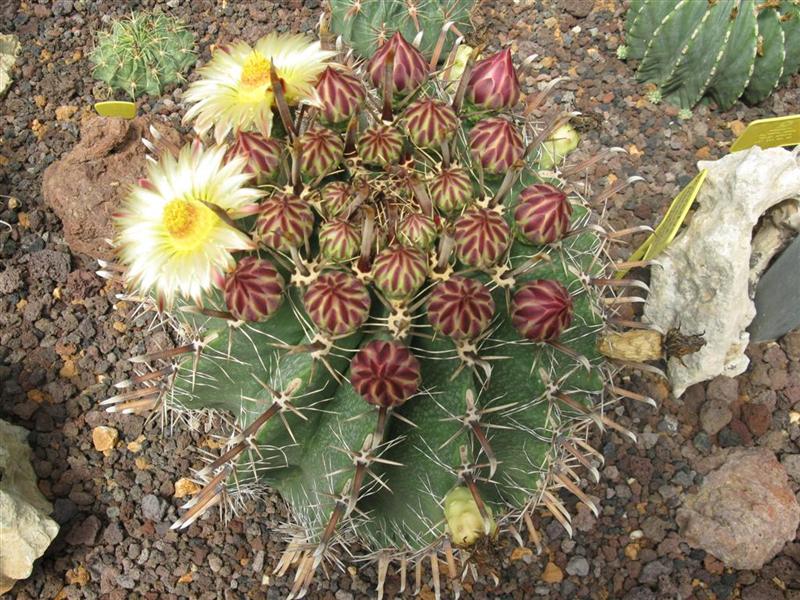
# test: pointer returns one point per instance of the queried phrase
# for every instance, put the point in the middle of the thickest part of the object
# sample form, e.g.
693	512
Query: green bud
464	521
556	148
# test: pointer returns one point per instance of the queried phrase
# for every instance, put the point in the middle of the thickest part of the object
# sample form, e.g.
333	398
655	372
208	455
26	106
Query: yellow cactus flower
236	94
174	233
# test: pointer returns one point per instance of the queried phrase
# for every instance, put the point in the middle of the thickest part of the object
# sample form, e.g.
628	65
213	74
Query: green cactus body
790	21
670	40
499	409
736	64
142	54
642	21
768	66
700	58
721	50
366	24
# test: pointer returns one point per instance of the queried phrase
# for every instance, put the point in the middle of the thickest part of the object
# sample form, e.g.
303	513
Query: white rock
26	530
703	283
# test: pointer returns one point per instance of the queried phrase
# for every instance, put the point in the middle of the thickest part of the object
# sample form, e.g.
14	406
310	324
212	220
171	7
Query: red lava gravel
64	337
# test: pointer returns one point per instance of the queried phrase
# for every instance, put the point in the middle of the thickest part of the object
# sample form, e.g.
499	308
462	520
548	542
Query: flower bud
253	290
417	231
380	145
461	308
495	144
465	523
542	215
339	241
385	373
482	238
451	189
263	154
493	83
322	151
399	272
284	222
409	68
337	303
341	93
430	122
334	198
541	310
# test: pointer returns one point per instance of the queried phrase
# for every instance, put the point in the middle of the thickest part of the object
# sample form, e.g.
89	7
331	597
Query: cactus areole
402	319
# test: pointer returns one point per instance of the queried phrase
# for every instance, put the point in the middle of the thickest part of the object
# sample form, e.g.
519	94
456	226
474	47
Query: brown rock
185	487
104	438
87	185
552	573
744	512
578	8
758	418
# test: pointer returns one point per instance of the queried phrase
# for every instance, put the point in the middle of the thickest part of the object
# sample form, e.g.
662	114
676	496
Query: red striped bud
284	221
541	310
253	290
430	122
482	238
495	144
380	145
493	83
322	151
542	215
339	240
263	154
460	308
341	94
385	374
337	303
417	230
451	189
409	68
399	272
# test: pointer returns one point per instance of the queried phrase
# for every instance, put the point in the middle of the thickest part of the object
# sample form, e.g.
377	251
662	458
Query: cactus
411	354
143	53
722	50
365	25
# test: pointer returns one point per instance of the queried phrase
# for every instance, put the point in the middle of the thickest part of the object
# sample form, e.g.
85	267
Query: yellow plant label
668	228
115	108
769	133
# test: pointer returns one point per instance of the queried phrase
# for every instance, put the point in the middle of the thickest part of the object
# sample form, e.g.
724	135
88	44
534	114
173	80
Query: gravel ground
63	338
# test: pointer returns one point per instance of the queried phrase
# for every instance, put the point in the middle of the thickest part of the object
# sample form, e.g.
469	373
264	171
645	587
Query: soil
64	337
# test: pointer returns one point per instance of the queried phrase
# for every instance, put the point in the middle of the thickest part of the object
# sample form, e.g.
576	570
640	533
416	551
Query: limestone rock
744	512
703	283
9	49
25	527
86	187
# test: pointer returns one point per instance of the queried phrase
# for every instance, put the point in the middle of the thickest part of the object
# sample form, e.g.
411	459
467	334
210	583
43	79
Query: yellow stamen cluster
188	223
255	71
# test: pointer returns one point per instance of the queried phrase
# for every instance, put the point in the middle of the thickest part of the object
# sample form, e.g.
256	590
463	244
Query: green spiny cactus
143	53
365	24
403	319
722	50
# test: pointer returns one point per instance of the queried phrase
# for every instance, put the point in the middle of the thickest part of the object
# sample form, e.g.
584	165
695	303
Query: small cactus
410	352
143	53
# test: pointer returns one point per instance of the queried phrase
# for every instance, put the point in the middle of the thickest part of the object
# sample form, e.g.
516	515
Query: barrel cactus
143	53
400	312
722	50
365	25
